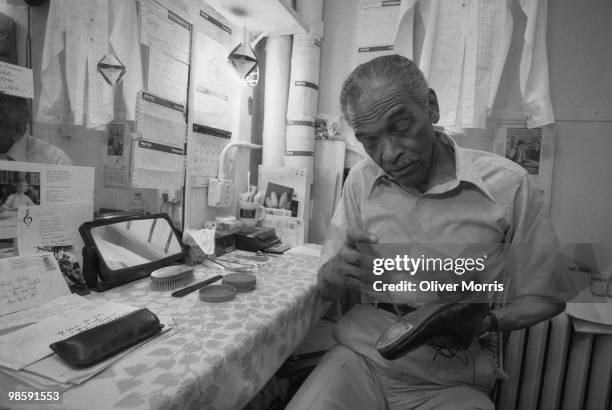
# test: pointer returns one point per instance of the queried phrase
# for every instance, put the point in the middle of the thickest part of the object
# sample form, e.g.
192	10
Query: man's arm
329	290
535	265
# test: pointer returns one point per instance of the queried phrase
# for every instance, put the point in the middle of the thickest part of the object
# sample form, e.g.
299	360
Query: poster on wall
29	184
531	148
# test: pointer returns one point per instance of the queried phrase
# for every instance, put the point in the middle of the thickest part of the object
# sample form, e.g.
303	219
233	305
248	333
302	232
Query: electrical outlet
219	193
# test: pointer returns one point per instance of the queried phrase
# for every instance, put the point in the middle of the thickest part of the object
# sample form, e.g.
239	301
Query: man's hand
351	267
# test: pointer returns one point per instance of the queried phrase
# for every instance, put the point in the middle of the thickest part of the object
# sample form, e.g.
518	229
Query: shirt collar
464	172
19	150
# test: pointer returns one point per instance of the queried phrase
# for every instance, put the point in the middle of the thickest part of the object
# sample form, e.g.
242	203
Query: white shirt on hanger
87	31
464	51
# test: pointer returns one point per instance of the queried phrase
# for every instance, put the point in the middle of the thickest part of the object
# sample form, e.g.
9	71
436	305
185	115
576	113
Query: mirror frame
98	276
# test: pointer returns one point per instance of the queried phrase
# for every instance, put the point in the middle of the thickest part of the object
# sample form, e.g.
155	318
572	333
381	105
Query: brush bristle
171	277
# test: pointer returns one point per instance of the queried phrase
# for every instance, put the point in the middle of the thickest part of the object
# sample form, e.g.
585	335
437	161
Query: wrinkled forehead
375	102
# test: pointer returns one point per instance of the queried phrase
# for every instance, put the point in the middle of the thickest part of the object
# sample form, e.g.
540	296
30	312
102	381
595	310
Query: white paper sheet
52	374
216	85
160	120
376	29
30	344
47	184
56	369
61	305
157	165
216	27
16	80
204	146
43	229
162	29
29	281
167	76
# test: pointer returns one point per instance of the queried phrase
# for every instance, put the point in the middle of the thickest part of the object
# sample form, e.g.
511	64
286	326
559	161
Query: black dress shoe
451	325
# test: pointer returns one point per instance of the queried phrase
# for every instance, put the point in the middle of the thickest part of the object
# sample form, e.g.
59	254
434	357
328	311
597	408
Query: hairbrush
171	277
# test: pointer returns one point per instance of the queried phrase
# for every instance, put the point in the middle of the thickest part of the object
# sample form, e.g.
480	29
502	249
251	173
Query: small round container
243	282
217	293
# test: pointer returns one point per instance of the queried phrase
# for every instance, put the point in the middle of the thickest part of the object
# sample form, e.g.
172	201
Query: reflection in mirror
132	243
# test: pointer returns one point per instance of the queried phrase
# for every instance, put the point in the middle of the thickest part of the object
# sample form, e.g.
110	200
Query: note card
29	281
16	80
55	229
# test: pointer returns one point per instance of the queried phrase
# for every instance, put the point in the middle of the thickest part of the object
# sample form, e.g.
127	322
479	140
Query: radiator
552	367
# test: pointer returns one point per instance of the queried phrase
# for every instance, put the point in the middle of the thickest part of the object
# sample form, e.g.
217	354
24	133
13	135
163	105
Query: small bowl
242	282
217	293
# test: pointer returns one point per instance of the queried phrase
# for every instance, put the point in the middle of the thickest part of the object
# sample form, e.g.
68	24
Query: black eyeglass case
101	342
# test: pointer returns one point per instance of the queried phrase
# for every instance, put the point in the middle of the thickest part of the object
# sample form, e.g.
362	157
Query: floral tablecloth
222	354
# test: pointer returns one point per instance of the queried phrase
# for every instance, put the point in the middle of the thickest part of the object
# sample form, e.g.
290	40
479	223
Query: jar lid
217	293
243	282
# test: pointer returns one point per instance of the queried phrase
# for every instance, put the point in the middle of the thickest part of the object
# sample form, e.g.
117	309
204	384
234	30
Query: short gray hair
390	68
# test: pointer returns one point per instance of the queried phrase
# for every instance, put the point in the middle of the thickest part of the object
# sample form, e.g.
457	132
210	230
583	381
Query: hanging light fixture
243	58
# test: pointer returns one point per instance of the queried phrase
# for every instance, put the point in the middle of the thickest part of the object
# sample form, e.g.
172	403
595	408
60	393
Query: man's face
396	132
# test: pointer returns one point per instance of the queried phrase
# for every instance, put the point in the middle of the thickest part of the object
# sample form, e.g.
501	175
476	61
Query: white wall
580	61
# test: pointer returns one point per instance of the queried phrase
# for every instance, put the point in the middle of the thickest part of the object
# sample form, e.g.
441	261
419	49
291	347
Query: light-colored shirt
85	33
16	200
32	149
464	50
492	202
492	205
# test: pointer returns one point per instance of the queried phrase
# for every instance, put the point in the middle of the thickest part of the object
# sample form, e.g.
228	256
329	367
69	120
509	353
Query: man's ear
432	107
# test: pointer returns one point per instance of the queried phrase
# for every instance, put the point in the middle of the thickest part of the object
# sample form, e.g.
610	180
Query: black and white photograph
69	265
523	147
18	188
116	139
380	204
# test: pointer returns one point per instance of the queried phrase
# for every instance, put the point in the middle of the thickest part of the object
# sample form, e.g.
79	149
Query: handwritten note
16	80
29	281
30	344
57	306
49	226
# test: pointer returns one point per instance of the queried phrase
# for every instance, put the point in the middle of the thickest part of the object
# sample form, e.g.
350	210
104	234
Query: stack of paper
25	354
591	317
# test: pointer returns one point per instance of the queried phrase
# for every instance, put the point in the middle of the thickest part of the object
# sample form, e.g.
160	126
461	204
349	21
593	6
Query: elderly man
16	144
418	186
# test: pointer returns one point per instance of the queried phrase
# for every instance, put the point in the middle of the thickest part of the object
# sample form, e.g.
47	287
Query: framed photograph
115	142
116	155
531	148
278	196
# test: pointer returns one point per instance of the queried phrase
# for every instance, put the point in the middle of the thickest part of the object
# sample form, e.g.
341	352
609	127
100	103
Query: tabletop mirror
123	249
